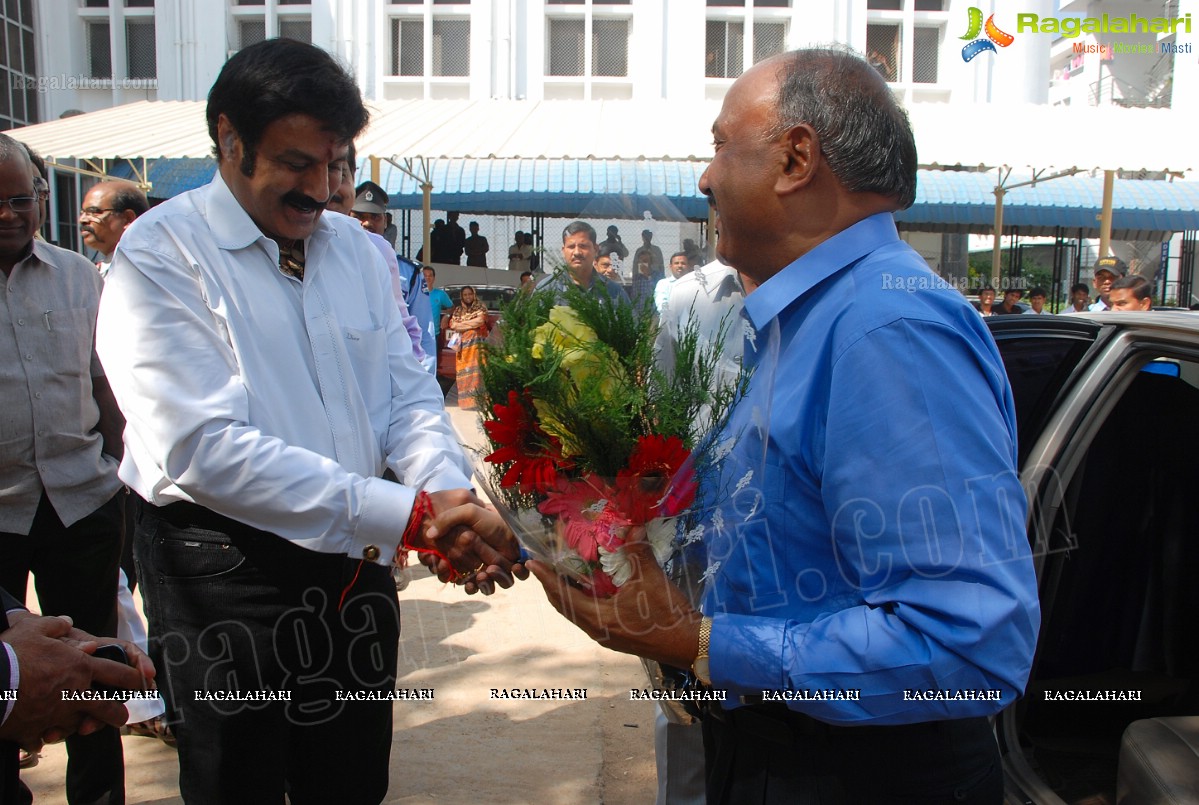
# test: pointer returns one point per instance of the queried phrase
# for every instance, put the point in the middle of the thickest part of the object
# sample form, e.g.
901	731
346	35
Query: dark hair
429	268
524	274
1140	287
986	288
1080	286
270	80
864	133
36	160
1037	291
128	196
352	158
575	227
679	254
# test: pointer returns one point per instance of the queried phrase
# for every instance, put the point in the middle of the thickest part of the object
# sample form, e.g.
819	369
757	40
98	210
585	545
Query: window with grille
725	49
138	4
565	53
884	5
299	29
926	45
930	5
770	39
610	47
407	47
99	50
140	53
451	47
725	3
250	32
882	49
772	3
295	3
95	3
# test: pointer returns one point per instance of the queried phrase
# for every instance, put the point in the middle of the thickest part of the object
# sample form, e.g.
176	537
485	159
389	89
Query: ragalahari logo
993	37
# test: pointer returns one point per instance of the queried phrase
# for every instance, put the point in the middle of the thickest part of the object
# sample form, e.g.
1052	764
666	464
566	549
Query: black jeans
75	572
770	754
234	611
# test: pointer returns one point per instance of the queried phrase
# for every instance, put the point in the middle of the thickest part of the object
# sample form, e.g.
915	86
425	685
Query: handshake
464	542
55	660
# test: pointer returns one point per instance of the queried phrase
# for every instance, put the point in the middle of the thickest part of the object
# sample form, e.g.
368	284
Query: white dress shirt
711	296
275	402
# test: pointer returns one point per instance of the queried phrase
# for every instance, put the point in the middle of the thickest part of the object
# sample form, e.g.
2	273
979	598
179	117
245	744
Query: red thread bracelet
423	506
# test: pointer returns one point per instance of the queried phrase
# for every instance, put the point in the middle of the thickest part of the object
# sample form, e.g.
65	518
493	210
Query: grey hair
864	133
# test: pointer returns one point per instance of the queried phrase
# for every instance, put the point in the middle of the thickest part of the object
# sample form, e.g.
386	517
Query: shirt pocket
69	341
367	351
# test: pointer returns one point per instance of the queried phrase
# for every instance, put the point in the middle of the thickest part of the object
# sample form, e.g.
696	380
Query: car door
1101	402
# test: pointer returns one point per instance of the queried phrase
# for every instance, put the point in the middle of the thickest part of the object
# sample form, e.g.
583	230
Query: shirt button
370	553
28	357
37	394
21	322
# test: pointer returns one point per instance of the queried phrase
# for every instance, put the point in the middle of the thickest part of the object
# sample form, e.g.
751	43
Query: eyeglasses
20	203
96	212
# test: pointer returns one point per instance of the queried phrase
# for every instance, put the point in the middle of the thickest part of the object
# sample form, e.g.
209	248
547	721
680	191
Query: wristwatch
700	667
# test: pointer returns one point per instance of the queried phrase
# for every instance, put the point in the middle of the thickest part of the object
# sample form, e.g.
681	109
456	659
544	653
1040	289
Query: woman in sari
469	320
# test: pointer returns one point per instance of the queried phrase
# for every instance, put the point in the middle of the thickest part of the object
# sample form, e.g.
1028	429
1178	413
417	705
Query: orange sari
470	354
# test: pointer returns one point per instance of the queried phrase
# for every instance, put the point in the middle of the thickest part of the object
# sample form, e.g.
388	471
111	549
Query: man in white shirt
679	266
710	298
107	211
1107	271
269	384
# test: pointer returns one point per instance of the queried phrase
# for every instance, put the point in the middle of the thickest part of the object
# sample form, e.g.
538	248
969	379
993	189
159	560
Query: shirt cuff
745	654
385	512
14	679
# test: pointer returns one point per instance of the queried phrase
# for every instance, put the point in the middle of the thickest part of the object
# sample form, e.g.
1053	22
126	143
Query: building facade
93	54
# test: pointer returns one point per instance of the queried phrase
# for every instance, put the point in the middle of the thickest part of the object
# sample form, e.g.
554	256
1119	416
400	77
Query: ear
226	135
801	155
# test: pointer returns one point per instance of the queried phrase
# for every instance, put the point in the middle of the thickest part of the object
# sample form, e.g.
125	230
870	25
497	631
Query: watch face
701	669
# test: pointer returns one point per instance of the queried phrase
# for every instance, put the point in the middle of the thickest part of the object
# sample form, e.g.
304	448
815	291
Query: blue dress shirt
868	525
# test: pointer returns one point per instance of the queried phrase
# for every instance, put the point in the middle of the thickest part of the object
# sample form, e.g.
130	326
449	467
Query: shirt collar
829	257
232	226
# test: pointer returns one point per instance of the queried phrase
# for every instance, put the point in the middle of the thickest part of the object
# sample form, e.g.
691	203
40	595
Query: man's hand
54	657
649	616
475	540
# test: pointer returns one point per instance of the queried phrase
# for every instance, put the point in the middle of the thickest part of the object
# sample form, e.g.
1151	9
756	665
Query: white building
98	53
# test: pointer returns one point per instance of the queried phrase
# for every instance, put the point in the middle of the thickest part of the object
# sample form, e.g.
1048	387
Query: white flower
712	570
616	565
660	532
744	482
694	535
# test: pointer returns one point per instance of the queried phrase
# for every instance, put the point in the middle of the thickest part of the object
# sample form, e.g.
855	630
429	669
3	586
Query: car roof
1167	320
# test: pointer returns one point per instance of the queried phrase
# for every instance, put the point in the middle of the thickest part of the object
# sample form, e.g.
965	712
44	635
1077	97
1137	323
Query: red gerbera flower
652	485
535	455
588	517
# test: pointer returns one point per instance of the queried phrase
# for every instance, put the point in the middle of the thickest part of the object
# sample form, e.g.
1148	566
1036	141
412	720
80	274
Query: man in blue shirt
439	300
870	594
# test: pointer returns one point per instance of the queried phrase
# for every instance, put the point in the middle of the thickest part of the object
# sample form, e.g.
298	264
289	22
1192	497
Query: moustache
87	229
302	201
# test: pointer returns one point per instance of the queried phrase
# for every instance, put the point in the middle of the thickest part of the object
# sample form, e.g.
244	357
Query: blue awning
170	177
595	188
946	200
960	201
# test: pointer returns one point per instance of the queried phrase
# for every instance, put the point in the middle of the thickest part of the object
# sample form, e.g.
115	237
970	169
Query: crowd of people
246	399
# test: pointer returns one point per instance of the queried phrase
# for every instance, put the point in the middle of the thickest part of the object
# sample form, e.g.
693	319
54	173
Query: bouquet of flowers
589	439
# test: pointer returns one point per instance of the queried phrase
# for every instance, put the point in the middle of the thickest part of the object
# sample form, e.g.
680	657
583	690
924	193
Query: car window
1038	364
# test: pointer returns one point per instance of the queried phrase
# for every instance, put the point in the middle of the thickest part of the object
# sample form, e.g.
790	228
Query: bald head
864	134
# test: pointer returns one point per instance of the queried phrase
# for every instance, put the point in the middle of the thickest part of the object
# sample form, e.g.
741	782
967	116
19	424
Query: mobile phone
114	653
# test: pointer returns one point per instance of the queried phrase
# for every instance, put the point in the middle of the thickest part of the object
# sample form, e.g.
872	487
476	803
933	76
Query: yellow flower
564	330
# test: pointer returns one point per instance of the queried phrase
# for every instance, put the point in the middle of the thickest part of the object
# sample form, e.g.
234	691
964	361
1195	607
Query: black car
1106	405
